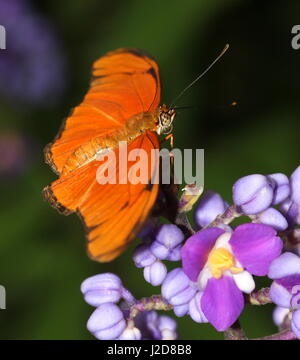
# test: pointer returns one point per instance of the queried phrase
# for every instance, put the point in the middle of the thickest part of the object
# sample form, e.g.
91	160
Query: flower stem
226	218
155	302
283	335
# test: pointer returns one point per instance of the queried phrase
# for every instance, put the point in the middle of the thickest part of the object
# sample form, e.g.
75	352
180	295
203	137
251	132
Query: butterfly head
165	120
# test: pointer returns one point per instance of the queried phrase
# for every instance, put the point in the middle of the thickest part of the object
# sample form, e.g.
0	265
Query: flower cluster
217	265
130	320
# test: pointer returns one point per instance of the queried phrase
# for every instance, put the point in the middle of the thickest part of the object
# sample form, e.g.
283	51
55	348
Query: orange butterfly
121	105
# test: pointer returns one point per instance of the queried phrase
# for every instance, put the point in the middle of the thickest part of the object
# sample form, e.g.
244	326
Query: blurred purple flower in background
16	150
32	65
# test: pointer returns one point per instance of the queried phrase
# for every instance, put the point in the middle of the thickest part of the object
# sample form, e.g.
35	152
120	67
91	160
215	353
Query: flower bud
107	322
131	333
167	327
155	273
295	186
177	288
102	288
195	310
281	187
210	206
167	239
181	310
253	193
272	217
295	324
142	256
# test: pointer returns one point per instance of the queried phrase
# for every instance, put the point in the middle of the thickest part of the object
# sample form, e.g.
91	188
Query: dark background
42	254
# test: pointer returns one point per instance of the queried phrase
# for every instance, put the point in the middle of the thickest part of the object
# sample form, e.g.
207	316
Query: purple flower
295	186
253	193
31	66
107	322
281	187
223	263
155	273
273	218
167	243
285	289
210	206
177	289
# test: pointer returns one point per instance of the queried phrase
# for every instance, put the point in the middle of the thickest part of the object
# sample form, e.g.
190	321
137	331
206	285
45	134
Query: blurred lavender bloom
107	322
281	187
253	193
142	256
210	206
166	243
295	186
273	218
32	66
177	288
15	153
155	273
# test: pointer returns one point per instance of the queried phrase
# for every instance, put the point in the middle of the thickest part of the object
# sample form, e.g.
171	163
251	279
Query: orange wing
124	82
113	214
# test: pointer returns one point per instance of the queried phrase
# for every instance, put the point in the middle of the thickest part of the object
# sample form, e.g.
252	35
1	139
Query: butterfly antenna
200	76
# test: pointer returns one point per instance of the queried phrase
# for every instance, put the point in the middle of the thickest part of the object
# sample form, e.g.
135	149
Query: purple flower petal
181	310
177	288
195	310
222	302
195	251
280	295
285	265
273	218
142	256
282	187
255	246
253	193
296	323
210	206
279	315
107	322
155	274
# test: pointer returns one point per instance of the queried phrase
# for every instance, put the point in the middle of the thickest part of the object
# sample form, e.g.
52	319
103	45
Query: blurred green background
43	258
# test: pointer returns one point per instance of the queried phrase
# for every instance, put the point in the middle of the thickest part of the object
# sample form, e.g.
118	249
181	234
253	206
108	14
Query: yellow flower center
221	260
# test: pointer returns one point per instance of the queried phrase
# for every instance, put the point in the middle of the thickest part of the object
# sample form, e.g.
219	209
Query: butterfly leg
168	137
